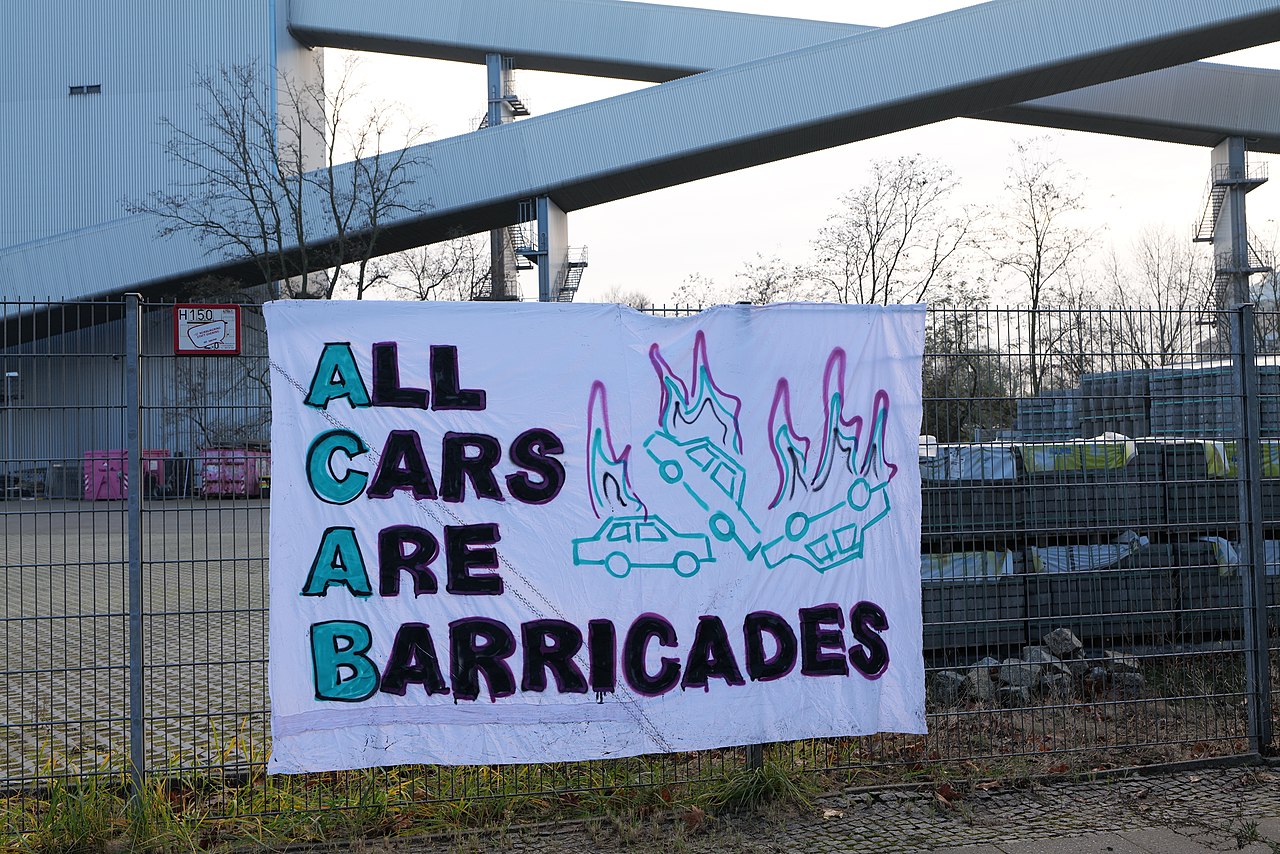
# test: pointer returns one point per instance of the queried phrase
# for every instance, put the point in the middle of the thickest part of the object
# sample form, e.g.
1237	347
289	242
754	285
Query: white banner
536	532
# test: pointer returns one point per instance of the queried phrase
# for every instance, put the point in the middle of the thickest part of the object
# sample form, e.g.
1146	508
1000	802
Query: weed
73	819
1247	832
159	823
770	784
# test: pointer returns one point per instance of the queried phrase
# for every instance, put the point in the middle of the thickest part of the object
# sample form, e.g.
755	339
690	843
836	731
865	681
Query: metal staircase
524	236
1225	271
1221	180
1235	259
502	93
575	263
521	247
511	247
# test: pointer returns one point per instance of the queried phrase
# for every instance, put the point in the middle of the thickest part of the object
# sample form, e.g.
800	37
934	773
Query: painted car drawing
836	535
715	480
624	542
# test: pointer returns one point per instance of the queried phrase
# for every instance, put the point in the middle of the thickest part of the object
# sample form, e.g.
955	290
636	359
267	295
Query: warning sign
206	330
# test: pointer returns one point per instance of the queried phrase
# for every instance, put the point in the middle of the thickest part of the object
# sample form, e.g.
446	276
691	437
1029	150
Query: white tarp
1082	558
971	462
960	566
526	533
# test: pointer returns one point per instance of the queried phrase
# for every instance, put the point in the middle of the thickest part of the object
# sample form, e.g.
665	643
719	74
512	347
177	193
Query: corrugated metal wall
53	410
82	154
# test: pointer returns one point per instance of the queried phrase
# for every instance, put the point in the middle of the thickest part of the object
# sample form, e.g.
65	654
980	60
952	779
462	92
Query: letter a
337	376
338	561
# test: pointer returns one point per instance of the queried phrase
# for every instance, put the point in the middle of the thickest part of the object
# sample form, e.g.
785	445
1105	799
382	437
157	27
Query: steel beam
769	109
1197	104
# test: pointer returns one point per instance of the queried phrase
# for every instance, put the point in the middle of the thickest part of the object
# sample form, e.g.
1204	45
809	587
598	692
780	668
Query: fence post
133	444
1252	553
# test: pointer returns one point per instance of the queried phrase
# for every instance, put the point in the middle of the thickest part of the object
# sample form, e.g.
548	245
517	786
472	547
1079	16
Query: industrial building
85	88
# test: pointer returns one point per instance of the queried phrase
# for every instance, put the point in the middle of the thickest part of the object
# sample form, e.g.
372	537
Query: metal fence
1087	604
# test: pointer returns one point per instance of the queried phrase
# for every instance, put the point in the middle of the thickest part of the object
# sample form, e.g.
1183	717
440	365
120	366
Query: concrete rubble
1060	669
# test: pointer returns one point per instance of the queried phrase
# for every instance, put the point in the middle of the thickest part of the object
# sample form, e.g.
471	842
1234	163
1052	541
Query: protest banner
537	532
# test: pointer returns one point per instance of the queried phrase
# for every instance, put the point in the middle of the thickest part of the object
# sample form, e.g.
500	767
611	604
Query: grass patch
1192	708
173	815
772	784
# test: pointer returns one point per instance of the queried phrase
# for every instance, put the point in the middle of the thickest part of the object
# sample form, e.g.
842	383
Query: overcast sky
653	242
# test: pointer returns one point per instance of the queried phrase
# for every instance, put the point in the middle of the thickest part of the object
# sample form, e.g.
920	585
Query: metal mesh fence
1101	504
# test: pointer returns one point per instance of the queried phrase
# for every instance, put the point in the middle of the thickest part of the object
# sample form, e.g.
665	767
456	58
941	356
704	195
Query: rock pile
1059	669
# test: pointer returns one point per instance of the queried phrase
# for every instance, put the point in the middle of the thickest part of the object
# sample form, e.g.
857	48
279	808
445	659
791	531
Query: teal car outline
642	541
721	485
835	536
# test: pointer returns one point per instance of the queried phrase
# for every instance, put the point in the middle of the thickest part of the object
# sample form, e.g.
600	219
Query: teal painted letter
337	376
343	672
338	561
324	483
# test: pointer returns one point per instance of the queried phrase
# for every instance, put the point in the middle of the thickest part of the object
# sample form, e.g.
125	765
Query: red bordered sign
206	330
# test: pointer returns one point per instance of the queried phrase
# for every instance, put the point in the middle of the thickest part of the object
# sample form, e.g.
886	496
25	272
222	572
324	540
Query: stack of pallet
1115	402
1195	403
1097	501
1051	417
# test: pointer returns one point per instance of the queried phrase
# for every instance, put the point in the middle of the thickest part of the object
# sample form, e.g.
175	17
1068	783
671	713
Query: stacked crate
1107	605
1097	502
1115	402
963	617
1195	403
988	513
1192	495
1269	400
974	615
1210	594
1051	417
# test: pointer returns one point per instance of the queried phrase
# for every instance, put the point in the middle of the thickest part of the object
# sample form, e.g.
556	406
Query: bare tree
1073	338
636	299
297	187
1264	291
1036	239
458	269
698	291
894	239
968	383
1166	274
767	280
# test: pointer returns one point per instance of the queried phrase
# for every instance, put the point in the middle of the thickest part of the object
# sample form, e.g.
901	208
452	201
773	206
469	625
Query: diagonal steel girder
861	86
1196	104
956	64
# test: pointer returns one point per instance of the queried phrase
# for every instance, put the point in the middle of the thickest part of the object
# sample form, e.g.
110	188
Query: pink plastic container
106	472
106	475
233	472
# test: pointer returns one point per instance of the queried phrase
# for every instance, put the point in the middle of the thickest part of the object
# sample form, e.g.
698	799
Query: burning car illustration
624	542
836	535
699	454
715	480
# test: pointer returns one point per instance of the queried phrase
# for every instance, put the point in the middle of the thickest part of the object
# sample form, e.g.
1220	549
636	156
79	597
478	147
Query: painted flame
608	469
687	412
842	439
790	449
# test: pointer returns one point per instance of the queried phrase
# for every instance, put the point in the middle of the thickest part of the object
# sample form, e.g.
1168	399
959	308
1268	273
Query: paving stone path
64	637
1233	809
